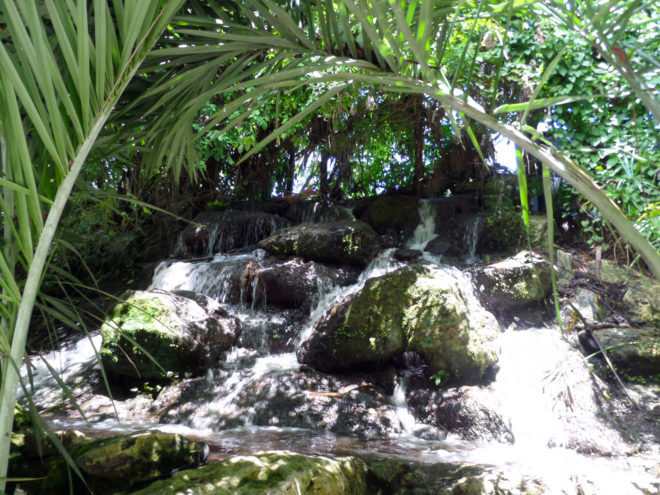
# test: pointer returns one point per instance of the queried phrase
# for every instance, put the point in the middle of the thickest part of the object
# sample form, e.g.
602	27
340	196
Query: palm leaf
45	74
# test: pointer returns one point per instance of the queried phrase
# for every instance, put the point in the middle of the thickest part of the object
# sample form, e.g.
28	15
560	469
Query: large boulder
414	308
517	281
118	463
293	284
276	472
158	334
350	242
396	215
218	231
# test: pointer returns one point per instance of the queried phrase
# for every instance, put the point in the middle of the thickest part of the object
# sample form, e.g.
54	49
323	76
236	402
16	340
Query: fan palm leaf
322	51
63	68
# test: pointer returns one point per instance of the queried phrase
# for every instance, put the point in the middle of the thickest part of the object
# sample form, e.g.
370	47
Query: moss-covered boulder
517	281
641	297
274	473
392	214
218	231
634	352
350	242
159	334
416	308
118	463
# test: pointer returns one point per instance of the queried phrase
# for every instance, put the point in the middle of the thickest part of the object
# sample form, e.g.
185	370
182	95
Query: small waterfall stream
543	384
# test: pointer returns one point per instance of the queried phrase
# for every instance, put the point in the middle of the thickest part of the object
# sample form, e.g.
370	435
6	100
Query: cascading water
425	231
544	386
471	237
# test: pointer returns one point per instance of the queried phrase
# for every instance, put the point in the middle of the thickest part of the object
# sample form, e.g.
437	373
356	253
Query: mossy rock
276	473
392	213
118	463
503	232
642	295
219	231
634	352
350	242
159	334
520	280
414	308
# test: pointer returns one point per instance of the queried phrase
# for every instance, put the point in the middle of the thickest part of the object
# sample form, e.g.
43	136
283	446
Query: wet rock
295	398
398	214
318	212
391	476
414	308
472	413
220	231
275	472
397	477
273	330
158	334
634	352
588	304
407	254
118	463
293	284
441	246
514	282
350	242
642	301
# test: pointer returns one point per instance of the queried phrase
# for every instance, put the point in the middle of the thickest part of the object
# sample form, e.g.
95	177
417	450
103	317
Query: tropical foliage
350	97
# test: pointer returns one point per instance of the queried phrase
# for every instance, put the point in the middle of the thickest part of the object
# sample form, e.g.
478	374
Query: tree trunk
323	174
418	137
291	171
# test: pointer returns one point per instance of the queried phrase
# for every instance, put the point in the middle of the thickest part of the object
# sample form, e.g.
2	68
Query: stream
261	398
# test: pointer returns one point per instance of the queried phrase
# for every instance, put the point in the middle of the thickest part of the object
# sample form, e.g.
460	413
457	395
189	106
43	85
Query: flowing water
544	387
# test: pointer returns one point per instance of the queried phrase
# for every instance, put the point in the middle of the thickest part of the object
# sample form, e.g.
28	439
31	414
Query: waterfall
405	417
258	395
380	265
218	278
425	231
470	239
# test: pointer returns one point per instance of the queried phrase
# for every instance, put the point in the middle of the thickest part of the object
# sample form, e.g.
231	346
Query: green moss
141	337
269	472
413	309
120	462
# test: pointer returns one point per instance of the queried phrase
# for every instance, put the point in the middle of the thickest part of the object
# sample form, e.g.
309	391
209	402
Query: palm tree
63	69
397	47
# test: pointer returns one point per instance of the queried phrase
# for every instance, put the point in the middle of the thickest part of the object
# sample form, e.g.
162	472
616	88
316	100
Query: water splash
71	363
380	265
218	278
425	231
241	379
470	239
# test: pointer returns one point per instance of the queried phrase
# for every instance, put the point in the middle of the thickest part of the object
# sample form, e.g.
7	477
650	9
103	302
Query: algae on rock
117	463
158	334
414	308
276	473
347	241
